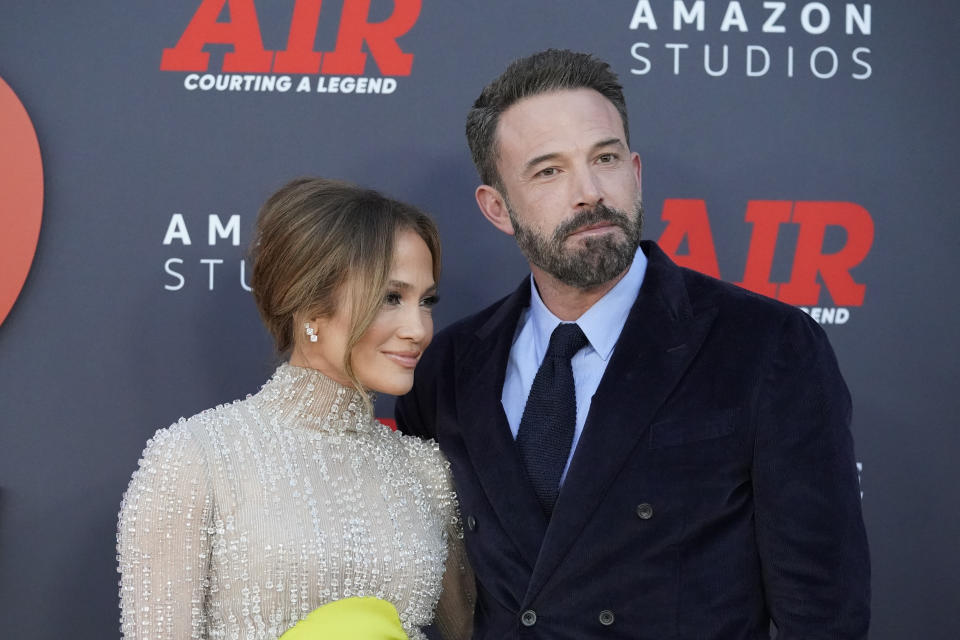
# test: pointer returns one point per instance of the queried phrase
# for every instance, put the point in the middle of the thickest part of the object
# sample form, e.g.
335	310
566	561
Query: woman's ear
306	327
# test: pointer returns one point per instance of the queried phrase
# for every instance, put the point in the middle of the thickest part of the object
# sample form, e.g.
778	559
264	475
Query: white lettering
643	14
243	270
676	54
233	82
863	20
733	17
177	230
215	228
303	85
751	71
212	262
828	315
867	69
645	61
683	15
813	62
167	266
706	61
389	85
808	25
776	10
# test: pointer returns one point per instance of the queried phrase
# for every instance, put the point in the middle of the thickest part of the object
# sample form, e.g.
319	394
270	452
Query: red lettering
242	31
766	217
834	268
299	56
688	218
381	37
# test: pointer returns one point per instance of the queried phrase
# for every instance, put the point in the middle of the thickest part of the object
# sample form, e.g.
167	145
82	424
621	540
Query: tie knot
565	341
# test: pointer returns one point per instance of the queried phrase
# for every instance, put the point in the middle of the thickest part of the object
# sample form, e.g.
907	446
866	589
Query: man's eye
392	298
430	302
606	158
546	173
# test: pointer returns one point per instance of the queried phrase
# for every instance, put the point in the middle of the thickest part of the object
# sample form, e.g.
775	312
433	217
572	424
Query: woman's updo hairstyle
322	243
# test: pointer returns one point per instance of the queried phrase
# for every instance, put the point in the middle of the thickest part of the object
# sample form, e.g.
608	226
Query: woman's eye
429	302
392	298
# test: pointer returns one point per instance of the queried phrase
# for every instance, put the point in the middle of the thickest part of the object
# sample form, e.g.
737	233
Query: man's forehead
533	124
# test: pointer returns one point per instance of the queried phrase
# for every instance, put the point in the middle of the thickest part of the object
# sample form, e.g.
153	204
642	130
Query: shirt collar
601	323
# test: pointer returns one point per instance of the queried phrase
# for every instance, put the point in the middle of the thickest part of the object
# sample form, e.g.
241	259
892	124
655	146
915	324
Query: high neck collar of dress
305	398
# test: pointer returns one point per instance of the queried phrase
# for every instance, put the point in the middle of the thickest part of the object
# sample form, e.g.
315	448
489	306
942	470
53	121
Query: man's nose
588	192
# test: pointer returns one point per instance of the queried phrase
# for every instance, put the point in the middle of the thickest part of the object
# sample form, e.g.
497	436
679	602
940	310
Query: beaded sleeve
454	612
163	541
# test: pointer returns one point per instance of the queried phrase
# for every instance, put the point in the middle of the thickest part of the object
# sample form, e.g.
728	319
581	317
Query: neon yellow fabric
350	619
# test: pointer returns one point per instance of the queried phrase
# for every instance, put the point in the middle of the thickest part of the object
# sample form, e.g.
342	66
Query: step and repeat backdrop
804	150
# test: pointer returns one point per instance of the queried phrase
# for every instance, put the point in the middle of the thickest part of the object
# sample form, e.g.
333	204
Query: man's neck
566	302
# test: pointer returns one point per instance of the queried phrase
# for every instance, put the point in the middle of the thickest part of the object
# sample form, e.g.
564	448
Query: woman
244	519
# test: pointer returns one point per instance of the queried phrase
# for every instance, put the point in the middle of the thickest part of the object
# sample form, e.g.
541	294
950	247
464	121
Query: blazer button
644	511
606	617
471	523
529	618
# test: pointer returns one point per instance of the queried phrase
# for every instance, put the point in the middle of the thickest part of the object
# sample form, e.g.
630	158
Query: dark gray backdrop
97	354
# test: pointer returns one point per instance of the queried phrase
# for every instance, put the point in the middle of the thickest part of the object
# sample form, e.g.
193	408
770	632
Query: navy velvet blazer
714	488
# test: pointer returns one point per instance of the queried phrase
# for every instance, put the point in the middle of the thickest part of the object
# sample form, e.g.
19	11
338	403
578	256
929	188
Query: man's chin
594	247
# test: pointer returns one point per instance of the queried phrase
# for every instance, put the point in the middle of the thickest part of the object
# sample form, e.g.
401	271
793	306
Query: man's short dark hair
543	72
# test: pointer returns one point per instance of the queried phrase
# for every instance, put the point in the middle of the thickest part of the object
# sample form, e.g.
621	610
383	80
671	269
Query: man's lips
407	359
594	229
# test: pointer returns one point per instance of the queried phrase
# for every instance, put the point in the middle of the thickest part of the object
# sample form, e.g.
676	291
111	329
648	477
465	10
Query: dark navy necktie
550	416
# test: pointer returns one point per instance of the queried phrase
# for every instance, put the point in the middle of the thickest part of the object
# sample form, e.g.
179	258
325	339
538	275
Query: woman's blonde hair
322	243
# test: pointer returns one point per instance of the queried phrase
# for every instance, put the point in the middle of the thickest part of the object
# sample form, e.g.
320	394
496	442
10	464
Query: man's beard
597	260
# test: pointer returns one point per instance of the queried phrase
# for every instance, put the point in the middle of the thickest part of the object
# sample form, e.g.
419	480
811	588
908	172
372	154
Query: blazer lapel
485	430
658	342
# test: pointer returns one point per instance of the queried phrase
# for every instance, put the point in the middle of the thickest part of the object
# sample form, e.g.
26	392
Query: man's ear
638	169
494	208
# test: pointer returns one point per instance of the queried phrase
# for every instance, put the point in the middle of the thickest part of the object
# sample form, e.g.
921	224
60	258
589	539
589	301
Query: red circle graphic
21	197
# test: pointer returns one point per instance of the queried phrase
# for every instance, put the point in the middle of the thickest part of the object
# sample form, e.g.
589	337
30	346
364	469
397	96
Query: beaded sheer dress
245	518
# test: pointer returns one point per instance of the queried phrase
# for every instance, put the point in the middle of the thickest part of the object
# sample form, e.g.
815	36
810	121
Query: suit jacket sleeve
809	527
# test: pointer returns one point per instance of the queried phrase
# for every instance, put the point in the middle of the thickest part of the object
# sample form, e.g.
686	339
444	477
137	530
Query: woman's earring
310	332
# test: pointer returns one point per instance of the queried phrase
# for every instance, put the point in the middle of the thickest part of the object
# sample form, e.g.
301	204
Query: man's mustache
598	214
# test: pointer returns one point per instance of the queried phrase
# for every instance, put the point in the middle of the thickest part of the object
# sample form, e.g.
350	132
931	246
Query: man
677	463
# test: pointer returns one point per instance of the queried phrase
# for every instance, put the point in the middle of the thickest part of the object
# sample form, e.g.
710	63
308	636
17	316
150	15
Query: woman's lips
406	359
